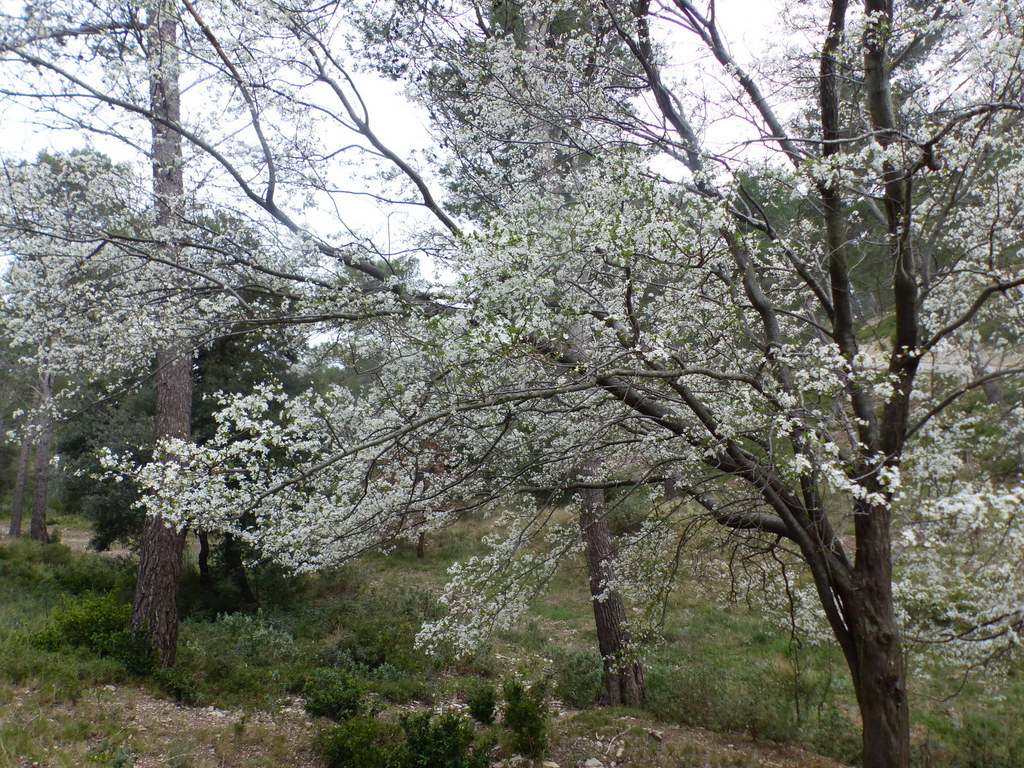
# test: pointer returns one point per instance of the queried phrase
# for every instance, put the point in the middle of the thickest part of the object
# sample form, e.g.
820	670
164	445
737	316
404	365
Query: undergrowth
343	642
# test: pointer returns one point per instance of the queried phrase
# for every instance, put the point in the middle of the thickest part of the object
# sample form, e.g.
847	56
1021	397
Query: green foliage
360	742
122	425
376	642
241	658
704	694
381	630
99	623
447	741
976	738
526	718
97	573
177	683
111	755
398	686
53	568
482	701
334	694
831	731
579	678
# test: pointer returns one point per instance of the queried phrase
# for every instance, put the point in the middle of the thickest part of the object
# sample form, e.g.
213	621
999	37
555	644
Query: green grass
723	668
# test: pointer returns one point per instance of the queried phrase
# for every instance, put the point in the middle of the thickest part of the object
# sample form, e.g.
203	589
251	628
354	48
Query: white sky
746	25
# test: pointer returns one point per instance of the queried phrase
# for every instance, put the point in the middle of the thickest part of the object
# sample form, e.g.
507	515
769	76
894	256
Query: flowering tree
794	318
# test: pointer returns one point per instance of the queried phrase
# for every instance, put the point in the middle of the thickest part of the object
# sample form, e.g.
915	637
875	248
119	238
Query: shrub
579	678
448	741
178	684
257	640
334	694
360	742
98	623
526	718
482	700
241	658
398	688
96	573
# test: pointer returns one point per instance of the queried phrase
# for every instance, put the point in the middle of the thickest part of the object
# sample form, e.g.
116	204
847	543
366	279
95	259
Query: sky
402	125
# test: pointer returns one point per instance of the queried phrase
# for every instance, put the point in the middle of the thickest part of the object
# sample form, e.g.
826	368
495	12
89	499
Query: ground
128	727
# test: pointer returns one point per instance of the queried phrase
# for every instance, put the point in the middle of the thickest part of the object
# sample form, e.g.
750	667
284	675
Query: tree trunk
41	466
155	607
203	560
623	675
879	668
882	694
156	594
236	567
18	500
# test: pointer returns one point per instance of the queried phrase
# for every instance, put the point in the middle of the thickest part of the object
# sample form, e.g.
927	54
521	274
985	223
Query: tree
667	314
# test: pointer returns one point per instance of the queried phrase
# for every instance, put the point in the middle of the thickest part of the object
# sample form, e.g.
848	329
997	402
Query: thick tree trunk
879	669
156	594
18	500
882	693
155	607
623	675
41	465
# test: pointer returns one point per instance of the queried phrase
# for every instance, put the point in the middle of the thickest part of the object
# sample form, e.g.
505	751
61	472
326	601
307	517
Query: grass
725	669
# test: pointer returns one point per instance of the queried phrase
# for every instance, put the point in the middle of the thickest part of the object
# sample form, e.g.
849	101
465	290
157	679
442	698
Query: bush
526	718
97	573
974	740
449	741
360	742
579	678
256	639
398	687
241	658
334	694
482	700
711	694
99	623
178	684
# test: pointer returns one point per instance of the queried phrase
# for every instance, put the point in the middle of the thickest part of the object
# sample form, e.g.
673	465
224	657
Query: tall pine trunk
623	675
155	607
41	465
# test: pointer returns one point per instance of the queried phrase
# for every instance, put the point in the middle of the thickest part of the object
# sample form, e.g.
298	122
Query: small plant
360	742
99	623
177	683
448	741
107	754
255	639
335	694
482	700
579	678
526	718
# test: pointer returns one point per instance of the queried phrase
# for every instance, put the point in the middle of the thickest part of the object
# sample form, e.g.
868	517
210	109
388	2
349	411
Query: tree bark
203	560
236	567
880	683
155	607
18	500
41	465
623	675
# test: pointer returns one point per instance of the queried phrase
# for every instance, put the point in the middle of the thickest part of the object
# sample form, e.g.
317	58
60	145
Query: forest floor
127	726
46	722
725	687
